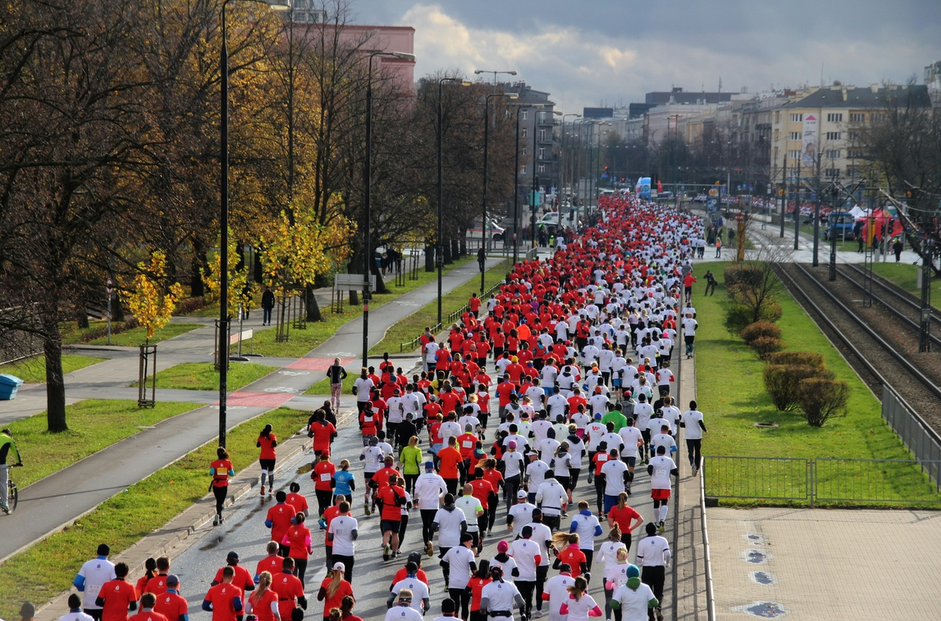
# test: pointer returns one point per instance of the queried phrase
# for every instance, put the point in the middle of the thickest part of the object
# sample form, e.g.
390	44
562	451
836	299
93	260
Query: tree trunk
380	283
81	316
258	272
55	385
313	309
197	289
429	258
117	311
448	252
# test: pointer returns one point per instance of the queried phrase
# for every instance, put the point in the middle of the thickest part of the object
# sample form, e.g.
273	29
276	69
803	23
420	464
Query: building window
853	135
832	172
797	118
855	173
794	154
542	153
524	152
792	172
854	153
833	154
833	136
795	135
857	117
835	117
877	117
542	135
523	114
542	168
523	169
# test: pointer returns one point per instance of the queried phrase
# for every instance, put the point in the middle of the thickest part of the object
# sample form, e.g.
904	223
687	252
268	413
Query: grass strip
906	277
33	370
413	325
94	424
731	395
48	568
323	386
302	341
71	335
203	375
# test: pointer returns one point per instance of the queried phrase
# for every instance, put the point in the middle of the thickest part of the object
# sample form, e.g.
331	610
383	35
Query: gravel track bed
879	321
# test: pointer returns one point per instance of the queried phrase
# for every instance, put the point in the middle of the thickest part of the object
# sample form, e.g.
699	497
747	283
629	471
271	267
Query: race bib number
467	444
325	476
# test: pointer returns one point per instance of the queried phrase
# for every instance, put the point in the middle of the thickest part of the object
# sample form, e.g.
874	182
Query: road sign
109	284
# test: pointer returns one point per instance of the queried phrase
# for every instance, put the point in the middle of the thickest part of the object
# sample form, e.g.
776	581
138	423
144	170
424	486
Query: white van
494	231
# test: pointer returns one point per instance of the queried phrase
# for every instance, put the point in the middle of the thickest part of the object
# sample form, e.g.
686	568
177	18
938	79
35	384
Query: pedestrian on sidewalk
267	305
337	374
718	247
267	442
7	451
220	470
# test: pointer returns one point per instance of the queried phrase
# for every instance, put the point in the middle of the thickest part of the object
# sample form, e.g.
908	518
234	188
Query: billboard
809	142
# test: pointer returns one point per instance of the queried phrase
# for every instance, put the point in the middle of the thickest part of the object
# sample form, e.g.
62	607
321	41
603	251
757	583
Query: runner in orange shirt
450	462
117	596
220	470
147	602
224	600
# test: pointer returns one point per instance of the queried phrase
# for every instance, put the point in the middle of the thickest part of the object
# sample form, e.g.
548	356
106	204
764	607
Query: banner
809	142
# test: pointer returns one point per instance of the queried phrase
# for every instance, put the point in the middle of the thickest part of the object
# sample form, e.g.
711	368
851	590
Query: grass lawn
93	425
905	276
731	395
413	325
47	568
71	335
203	375
33	370
302	341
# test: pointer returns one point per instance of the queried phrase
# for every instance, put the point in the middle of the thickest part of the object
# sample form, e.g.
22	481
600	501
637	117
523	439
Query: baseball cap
521	495
339	566
232	556
429	465
415	557
172	579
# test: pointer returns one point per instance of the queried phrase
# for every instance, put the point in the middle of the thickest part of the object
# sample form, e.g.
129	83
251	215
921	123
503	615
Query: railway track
870	343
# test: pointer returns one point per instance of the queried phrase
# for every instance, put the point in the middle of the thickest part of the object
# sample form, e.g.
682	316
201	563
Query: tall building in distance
537	160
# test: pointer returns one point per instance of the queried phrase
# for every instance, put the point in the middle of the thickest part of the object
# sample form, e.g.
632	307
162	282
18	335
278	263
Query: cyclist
7	451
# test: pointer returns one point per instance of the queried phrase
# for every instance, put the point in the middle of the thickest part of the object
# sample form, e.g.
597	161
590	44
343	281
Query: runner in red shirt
322	476
267	442
171	604
224	600
263	602
626	518
117	596
450	462
323	433
392	497
241	576
300	545
289	589
270	563
158	584
279	520
220	470
297	500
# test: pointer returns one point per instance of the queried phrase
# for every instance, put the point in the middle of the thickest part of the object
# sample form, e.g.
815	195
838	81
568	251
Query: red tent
878	222
659	187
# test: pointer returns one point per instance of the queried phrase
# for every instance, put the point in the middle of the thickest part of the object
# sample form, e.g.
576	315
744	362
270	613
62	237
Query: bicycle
13	494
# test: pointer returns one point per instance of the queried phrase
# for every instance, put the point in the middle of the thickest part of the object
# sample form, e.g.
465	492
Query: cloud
606	53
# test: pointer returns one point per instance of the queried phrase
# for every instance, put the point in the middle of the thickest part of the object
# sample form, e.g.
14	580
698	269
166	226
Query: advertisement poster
809	142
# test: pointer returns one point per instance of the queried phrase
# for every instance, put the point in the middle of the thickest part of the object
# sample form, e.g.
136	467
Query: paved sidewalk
57	500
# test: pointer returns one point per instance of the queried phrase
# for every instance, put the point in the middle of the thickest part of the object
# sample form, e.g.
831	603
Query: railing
710	591
914	432
769	480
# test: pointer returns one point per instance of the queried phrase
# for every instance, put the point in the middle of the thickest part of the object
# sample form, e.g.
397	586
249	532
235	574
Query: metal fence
914	432
769	480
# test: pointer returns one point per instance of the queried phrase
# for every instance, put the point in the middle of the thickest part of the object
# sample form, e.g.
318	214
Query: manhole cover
756	540
765	610
766	425
762	577
756	557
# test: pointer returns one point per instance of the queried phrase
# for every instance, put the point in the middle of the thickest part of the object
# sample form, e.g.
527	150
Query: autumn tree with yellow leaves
151	302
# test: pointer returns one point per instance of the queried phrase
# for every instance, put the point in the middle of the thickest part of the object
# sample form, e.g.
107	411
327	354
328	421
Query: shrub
739	316
764	346
821	398
781	382
760	329
117	327
191	305
742	275
803	358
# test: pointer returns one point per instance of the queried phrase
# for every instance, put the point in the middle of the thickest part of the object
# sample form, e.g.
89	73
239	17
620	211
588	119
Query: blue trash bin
9	384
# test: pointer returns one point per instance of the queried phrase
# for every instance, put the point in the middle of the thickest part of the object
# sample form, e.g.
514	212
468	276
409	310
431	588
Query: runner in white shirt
633	598
499	598
92	575
632	438
460	566
420	601
615	473
520	514
75	610
536	471
342	532
653	556
692	420
431	348
660	469
664	439
588	527
671	414
557	590
362	387
526	555
429	489
556	404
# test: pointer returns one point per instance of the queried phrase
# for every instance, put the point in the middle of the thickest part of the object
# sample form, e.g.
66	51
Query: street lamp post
483	215
562	171
367	173
223	344
439	249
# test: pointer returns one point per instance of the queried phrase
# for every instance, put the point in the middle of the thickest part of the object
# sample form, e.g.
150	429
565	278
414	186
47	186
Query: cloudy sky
594	52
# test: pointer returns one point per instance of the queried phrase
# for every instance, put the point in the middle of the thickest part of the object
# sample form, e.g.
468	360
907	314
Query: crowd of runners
528	426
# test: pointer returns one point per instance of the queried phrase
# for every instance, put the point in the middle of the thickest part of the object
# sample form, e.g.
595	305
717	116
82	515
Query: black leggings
512	486
526	589
410	483
300	568
324	496
599	493
461	599
626	540
573	477
402	526
220	493
694	448
427	519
